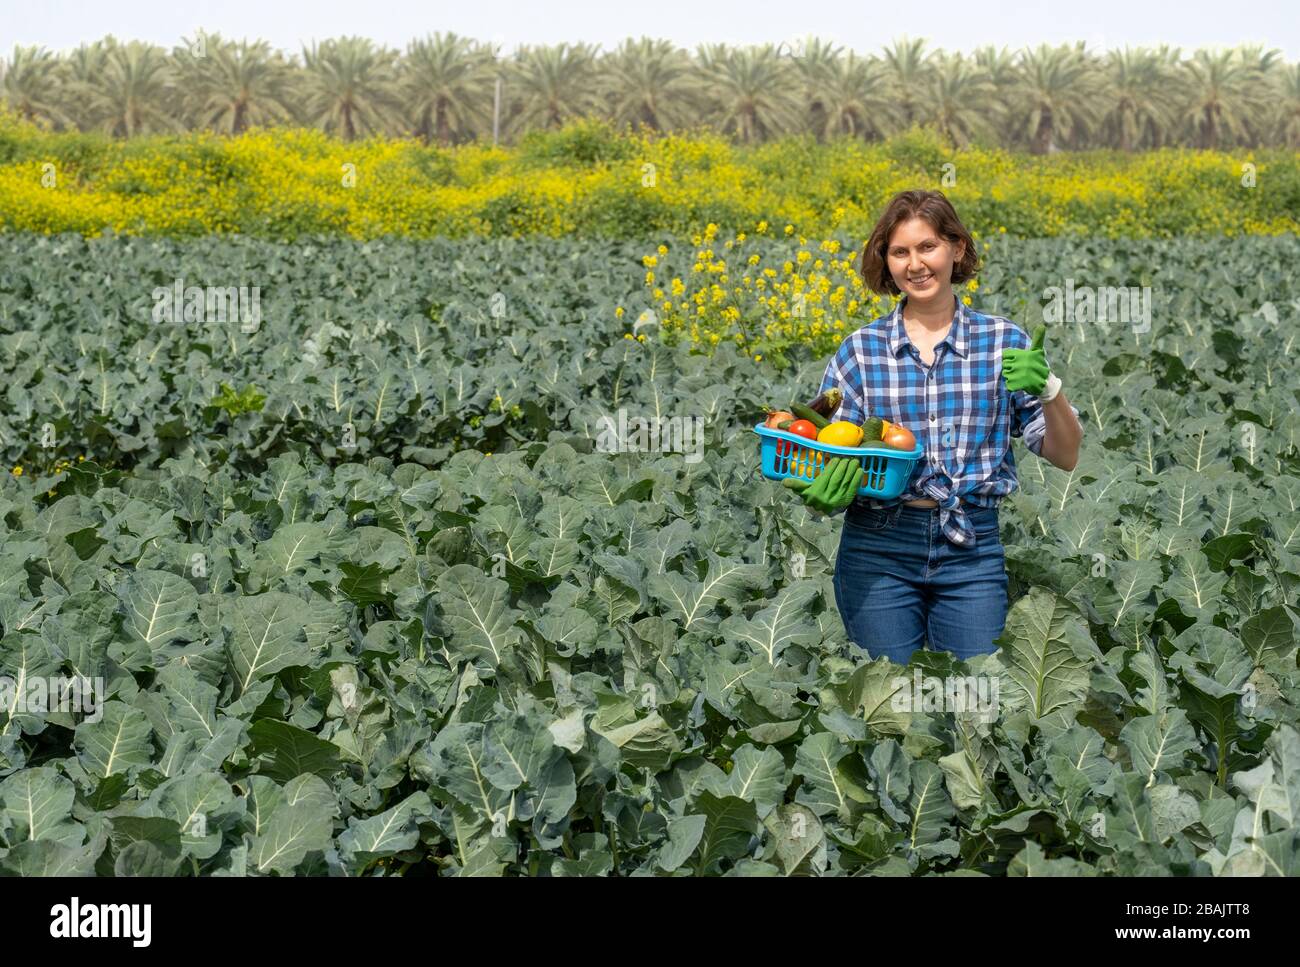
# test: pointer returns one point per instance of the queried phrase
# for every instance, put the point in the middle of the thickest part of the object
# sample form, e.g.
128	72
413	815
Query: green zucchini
811	415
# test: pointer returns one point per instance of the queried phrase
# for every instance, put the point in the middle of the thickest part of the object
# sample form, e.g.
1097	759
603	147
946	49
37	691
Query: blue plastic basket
885	469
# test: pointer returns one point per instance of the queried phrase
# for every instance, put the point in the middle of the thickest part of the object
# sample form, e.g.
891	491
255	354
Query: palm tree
234	86
133	91
1263	63
446	81
1286	114
1220	97
1264	66
30	86
349	86
1141	104
960	102
649	82
557	83
1003	72
78	71
1059	93
909	71
751	91
857	99
1043	99
815	62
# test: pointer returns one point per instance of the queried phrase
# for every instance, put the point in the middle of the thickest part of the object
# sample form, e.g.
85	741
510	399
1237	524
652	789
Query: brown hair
935	208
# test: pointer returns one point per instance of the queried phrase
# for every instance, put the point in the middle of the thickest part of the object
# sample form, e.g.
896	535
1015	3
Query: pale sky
855	24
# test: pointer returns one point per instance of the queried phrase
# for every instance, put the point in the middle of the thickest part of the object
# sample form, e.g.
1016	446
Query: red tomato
803	428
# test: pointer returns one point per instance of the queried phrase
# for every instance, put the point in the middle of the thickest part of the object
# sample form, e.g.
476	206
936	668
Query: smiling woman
929	566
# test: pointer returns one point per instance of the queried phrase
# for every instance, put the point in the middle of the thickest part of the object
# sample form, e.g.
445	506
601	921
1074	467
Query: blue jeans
900	583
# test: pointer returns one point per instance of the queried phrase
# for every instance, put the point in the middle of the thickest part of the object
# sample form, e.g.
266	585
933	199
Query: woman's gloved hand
834	488
1027	369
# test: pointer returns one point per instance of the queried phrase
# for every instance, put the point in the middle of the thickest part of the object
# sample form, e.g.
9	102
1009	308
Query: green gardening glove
1026	369
834	488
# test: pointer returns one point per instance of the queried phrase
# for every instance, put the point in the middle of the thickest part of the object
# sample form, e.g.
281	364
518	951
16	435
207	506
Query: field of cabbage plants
376	577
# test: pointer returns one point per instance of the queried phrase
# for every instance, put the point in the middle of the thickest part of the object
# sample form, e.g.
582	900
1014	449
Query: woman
929	566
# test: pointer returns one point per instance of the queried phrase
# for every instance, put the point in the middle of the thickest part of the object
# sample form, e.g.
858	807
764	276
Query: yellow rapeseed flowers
287	182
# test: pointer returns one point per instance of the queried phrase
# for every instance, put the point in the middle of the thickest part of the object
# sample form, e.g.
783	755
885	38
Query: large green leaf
475	607
118	742
1043	647
38	803
783	623
159	608
385	834
798	838
267	636
285	751
302	821
1197	589
729	824
930	805
758	777
692	601
826	788
1158	742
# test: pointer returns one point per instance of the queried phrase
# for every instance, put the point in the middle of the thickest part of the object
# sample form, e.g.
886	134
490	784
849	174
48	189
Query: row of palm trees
444	89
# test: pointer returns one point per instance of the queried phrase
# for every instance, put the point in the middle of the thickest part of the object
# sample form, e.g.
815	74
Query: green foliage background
406	618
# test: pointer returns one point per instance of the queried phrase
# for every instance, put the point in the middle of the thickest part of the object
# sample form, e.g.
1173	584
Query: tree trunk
1043	136
1124	114
442	130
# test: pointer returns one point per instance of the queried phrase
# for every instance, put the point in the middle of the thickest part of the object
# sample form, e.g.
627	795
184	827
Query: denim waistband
966	506
956	520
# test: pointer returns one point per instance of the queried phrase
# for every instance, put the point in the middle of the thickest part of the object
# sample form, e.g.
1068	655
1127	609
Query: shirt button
932	417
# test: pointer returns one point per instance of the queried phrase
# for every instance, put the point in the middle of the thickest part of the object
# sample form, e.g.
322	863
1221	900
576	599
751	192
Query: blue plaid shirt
959	408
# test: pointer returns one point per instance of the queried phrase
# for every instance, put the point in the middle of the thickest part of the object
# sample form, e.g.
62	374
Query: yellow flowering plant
288	183
751	293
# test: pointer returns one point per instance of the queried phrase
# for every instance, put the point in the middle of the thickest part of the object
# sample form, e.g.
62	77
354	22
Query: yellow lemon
841	434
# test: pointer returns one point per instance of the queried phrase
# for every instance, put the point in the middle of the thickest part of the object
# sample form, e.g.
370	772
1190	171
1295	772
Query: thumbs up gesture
1027	369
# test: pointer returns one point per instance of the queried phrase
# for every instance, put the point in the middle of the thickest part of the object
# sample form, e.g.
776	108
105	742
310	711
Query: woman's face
920	261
